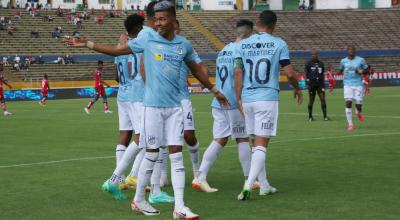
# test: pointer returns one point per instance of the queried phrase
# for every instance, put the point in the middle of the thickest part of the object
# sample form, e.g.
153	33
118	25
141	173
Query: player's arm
292	78
188	83
105	83
113	50
142	70
8	85
200	72
238	82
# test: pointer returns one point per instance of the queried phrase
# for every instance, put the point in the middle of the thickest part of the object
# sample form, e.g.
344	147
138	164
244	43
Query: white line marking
336	115
228	146
55	161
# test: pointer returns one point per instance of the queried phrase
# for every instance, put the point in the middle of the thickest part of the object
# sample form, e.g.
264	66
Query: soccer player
314	72
164	53
367	80
2	100
45	90
99	89
352	67
330	76
227	122
258	60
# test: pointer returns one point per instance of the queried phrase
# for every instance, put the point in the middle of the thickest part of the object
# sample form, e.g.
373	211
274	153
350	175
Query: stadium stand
330	30
322	30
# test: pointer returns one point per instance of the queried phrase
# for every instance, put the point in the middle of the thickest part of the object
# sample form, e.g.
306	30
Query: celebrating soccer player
164	53
352	67
258	60
99	89
227	122
314	72
2	100
45	90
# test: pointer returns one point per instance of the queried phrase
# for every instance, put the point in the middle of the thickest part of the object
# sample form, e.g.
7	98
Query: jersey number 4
256	70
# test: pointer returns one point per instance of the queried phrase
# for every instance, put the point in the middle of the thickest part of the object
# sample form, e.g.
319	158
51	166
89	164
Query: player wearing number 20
258	60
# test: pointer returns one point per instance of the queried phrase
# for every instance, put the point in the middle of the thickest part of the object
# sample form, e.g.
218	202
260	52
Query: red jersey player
99	89
366	78
45	89
2	101
330	76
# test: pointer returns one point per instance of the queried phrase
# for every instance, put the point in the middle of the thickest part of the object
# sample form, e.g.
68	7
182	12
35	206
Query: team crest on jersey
151	140
158	56
179	49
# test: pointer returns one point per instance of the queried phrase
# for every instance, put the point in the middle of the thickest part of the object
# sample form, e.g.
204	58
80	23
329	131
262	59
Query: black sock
323	106
310	111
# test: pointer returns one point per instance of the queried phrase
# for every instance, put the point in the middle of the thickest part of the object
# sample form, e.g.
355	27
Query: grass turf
321	170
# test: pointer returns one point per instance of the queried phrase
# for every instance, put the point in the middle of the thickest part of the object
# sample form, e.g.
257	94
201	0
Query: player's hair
45	76
165	6
150	9
244	27
99	62
268	18
133	23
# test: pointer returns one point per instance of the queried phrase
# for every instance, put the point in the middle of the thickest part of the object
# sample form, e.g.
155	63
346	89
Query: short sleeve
363	64
237	52
138	44
191	54
284	55
341	65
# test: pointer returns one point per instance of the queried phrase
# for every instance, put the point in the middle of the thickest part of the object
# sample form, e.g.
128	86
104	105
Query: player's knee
241	140
348	103
190	137
222	141
125	137
174	149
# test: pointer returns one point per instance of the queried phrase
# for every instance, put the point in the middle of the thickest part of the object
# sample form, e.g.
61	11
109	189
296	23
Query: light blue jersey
351	71
183	82
136	79
124	78
225	76
262	54
163	61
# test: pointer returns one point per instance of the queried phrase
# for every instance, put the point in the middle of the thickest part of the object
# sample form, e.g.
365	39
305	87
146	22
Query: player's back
225	75
137	81
124	78
261	54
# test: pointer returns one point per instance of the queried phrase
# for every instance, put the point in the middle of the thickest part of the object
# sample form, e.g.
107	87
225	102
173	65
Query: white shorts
137	116
261	118
161	127
188	117
353	93
125	116
228	123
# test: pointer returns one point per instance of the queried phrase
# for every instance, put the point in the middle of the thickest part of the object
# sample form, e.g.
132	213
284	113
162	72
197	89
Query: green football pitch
53	161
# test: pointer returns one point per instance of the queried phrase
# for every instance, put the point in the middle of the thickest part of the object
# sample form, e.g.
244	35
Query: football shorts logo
151	140
158	56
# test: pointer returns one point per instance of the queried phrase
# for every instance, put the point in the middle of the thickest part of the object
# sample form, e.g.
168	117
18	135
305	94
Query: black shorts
314	87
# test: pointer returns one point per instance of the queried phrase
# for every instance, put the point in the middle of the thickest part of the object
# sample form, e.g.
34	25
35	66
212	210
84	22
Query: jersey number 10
256	70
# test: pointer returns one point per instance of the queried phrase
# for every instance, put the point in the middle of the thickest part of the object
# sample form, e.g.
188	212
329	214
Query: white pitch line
228	146
55	161
336	115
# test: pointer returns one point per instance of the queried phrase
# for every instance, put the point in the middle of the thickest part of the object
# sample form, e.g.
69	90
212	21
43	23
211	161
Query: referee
316	83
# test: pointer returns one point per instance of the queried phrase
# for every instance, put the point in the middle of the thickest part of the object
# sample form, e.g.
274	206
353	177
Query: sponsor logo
258	45
158	56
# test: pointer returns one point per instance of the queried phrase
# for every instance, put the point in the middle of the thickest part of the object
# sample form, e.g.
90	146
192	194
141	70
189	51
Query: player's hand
299	95
222	100
75	41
